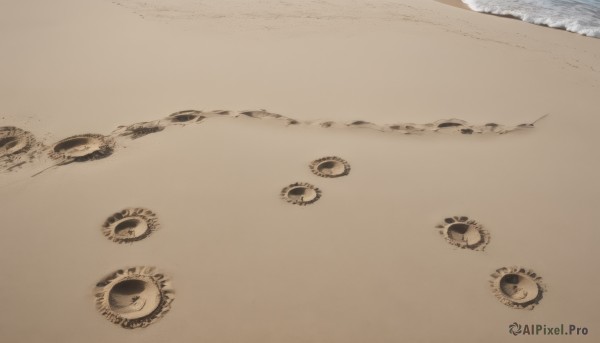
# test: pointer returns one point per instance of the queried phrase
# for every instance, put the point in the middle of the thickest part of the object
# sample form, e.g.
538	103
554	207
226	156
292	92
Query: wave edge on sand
572	23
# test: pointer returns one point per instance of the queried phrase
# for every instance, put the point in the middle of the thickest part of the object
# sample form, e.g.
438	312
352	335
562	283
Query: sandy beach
287	171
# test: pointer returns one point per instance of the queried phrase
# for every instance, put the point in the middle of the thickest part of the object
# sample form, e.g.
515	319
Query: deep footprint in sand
134	297
130	225
331	166
517	287
301	193
464	233
82	148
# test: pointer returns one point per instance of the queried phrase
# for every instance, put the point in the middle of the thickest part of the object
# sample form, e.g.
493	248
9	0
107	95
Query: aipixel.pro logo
545	330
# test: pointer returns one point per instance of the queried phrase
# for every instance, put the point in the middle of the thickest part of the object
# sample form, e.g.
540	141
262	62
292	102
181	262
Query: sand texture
294	171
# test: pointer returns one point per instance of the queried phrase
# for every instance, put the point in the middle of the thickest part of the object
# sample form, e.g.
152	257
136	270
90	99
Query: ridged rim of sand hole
110	294
462	227
15	141
341	166
517	287
285	193
95	146
130	225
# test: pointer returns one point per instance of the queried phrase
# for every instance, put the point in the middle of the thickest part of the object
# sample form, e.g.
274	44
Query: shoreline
462	5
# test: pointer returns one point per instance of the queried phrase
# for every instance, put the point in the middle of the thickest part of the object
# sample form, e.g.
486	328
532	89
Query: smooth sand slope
419	173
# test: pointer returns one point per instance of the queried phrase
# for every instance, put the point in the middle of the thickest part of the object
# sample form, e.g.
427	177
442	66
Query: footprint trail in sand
19	147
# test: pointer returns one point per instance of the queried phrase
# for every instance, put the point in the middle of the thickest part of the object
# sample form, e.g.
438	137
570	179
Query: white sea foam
580	16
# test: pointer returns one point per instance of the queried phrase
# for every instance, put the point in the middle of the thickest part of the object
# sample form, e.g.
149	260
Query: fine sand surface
380	253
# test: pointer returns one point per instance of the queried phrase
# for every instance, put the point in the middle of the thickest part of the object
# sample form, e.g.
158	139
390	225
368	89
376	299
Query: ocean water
580	16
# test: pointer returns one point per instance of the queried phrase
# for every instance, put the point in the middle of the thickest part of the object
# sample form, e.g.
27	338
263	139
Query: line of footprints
136	297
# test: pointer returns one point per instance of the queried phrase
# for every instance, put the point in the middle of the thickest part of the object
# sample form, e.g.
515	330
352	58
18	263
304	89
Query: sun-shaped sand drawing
464	233
130	225
517	287
81	148
134	297
331	166
301	193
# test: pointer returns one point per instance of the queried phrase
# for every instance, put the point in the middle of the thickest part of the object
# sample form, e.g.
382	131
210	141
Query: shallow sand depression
184	116
82	148
14	141
301	193
9	145
17	148
517	287
129	225
464	233
330	167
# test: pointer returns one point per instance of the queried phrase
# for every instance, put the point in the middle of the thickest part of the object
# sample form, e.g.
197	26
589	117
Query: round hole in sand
331	166
517	287
129	225
134	297
301	193
8	143
458	228
82	147
14	140
74	146
464	233
68	144
131	228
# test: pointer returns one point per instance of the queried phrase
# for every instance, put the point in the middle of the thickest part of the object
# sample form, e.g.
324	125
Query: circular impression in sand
184	116
301	193
331	166
465	233
83	148
14	141
517	287
134	297
130	225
